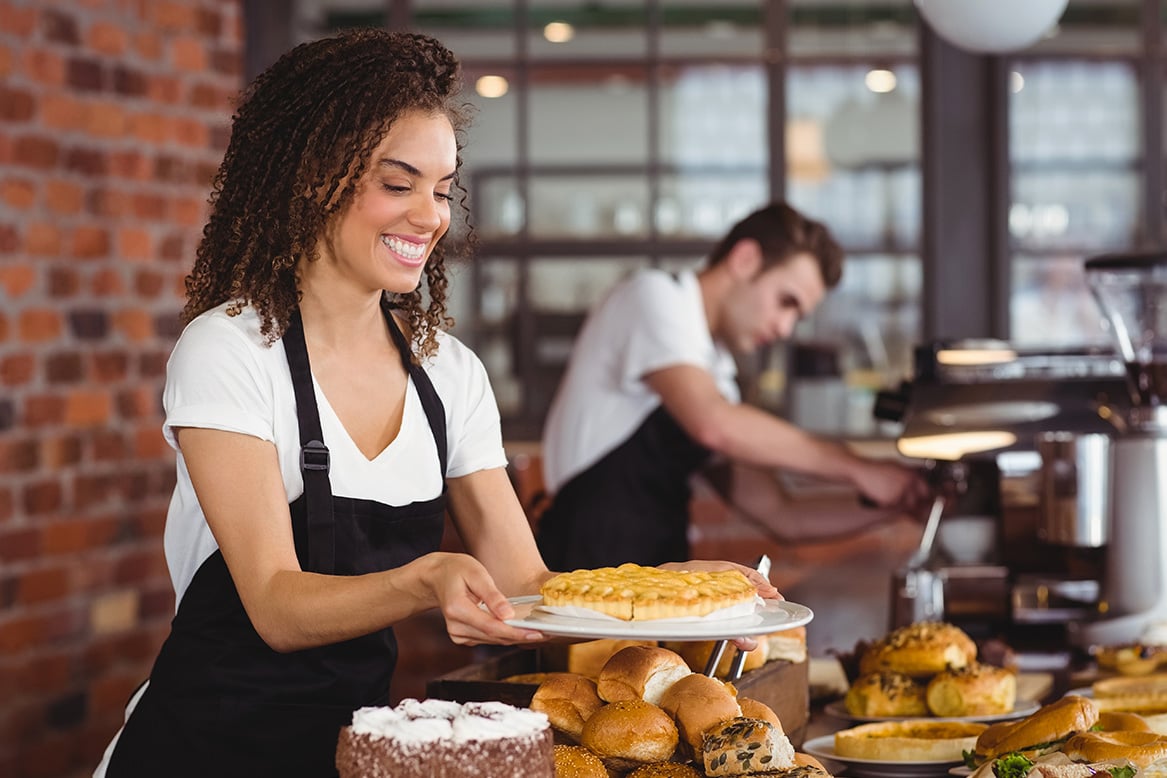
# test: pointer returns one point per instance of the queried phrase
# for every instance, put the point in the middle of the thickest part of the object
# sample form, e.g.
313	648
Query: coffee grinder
1131	290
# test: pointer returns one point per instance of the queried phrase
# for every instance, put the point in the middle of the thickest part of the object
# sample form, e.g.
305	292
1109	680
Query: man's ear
745	259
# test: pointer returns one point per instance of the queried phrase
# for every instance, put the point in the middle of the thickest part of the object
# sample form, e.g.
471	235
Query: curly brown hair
300	143
783	232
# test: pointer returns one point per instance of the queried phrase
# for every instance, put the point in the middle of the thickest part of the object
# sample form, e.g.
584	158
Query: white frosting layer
429	721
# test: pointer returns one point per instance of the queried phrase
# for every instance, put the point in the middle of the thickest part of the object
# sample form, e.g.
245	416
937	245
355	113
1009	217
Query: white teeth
404	248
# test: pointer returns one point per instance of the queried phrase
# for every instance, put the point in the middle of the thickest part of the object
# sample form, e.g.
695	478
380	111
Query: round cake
419	739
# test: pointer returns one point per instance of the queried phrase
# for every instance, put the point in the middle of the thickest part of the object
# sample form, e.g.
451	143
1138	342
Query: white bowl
967	539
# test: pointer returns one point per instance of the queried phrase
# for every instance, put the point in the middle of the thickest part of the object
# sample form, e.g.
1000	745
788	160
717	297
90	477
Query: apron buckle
314	456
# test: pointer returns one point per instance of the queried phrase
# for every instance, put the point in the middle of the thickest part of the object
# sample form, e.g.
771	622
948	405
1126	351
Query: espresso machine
1131	290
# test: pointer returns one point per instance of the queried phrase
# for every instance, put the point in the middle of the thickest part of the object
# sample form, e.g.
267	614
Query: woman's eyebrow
410	169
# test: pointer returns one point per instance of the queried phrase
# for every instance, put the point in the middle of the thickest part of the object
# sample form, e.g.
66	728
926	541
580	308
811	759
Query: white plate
824	748
772	616
1021	709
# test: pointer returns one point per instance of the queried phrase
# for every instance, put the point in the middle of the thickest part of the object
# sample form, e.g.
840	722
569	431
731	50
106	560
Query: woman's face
401	208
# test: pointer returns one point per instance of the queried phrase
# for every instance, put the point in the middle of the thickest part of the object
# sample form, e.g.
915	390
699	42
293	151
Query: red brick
18	456
149	442
165	89
91	242
63	197
110	202
46	68
7	504
188	211
16	20
105	120
84	408
107	282
110	365
45	585
60	111
107	38
135	324
93	490
61	451
5	61
63	282
148	44
20	633
139	566
42	239
36	151
172	16
46	672
16	105
42	497
38	325
130	164
64	537
52	755
17	280
108	446
112	692
149	283
135	244
17	369
20	544
60	27
19	193
42	410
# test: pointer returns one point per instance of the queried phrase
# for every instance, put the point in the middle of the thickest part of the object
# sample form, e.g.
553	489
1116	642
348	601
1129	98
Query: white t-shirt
221	375
649	321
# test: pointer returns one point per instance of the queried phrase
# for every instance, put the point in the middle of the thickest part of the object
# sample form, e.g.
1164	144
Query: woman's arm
237	480
492	524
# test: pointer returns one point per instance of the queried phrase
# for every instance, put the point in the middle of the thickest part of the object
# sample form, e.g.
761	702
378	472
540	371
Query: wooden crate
784	686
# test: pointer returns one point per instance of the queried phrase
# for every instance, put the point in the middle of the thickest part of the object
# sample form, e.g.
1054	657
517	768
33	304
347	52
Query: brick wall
113	117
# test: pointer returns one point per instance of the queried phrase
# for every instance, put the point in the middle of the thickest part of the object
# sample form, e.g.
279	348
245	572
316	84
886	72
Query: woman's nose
426	212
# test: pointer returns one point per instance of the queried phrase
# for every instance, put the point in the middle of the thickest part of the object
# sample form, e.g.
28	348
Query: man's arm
754	437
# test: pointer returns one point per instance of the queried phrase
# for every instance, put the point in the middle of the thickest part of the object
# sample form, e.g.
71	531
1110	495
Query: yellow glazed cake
635	593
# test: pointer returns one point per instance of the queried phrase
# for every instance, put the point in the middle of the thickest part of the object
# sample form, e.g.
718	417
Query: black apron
630	506
220	701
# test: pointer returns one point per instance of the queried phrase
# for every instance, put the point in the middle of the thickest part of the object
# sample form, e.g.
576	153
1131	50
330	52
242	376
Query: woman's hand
473	607
766	589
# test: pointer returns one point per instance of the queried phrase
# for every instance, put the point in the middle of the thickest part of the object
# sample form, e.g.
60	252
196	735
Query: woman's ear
745	259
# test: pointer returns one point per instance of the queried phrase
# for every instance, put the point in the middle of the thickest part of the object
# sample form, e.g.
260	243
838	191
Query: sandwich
1044	731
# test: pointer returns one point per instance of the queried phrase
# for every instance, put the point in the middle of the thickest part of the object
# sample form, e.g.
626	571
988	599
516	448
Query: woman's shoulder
222	330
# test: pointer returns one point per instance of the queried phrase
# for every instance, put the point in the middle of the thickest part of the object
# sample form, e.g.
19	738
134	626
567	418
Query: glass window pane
1097	26
575	284
578	206
705	204
698	28
472	29
1051	304
585	115
581	29
714	115
852	28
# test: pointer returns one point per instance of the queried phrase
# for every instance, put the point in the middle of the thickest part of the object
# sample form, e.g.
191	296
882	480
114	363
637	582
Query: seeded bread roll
698	702
915	740
578	762
568	700
640	673
887	693
629	733
798	771
753	709
665	770
920	650
741	745
972	690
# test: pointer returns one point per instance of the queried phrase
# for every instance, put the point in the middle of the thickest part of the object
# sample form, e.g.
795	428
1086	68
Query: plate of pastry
824	748
764	617
1021	709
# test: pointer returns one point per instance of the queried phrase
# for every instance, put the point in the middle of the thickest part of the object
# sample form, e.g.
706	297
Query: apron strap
314	456
435	412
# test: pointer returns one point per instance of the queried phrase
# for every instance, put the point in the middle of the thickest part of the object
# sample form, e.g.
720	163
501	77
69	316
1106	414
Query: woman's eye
446	196
395	188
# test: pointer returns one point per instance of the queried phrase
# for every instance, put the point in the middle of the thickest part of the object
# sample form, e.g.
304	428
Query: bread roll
741	745
877	695
798	771
568	700
696	655
789	644
588	658
578	762
753	709
665	770
920	650
806	760
972	690
1119	721
640	673
915	740
629	733
1041	732
698	702
1142	748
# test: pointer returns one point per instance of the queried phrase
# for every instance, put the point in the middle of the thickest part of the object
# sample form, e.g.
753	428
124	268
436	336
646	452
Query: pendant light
991	26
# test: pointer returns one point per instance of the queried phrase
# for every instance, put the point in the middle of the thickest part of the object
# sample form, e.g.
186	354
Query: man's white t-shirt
649	321
221	375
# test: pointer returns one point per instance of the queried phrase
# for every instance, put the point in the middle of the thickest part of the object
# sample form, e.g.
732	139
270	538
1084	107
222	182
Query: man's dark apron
220	701
630	506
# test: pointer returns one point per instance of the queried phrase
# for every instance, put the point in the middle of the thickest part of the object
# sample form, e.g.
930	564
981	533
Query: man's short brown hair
783	232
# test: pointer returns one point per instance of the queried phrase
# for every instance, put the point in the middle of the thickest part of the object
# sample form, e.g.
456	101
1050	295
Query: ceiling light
1016	82
954	445
558	32
991	26
491	86
880	81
